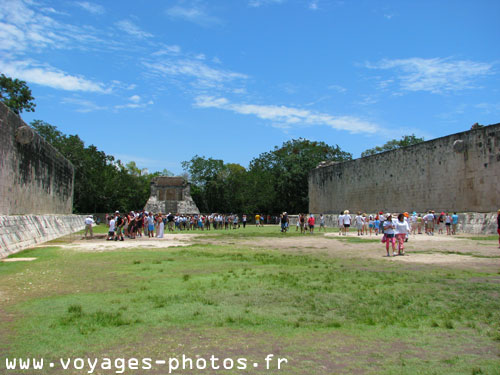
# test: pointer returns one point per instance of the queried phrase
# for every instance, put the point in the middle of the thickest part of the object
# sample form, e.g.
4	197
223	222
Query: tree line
275	181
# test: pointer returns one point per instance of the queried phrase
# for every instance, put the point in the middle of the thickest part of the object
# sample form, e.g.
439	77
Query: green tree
279	177
393	144
102	184
207	179
16	95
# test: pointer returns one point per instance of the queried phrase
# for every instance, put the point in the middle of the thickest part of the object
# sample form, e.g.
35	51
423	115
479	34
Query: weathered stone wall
24	231
460	172
34	177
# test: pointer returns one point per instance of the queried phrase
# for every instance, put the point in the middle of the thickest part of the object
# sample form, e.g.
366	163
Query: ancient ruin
36	188
171	194
456	173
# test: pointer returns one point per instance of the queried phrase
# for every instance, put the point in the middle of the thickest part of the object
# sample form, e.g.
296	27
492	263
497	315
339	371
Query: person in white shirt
341	223
413	223
347	222
89	221
389	233
402	229
429	220
359	223
111	232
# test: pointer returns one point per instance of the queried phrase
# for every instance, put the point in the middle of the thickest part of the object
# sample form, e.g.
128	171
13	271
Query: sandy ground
100	244
438	250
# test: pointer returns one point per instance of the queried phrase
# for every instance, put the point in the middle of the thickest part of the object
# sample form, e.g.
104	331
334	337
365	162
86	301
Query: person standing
454	223
401	230
322	223
347	222
359	223
89	221
498	227
151	225
311	222
389	233
111	232
341	223
161	225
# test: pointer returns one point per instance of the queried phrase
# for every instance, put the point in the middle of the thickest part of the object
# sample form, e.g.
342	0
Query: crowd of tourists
153	225
394	228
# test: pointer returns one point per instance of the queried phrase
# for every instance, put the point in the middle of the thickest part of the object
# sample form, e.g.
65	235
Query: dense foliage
102	184
393	144
16	95
275	181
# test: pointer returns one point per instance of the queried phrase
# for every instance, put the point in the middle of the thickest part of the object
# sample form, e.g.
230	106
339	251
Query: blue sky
160	81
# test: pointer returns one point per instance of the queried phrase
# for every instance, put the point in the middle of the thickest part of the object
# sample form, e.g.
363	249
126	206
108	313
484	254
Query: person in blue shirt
454	223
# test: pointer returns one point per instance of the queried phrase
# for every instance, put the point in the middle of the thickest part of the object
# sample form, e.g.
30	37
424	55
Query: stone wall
34	177
459	172
21	232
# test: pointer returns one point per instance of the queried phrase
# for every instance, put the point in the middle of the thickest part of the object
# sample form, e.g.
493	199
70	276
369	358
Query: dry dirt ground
442	250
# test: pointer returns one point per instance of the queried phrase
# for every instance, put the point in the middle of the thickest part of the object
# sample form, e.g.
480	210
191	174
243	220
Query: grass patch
479	238
70	303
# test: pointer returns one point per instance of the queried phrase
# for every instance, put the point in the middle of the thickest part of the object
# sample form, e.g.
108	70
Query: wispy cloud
204	75
435	75
259	3
337	88
25	28
313	5
83	105
46	75
194	13
167	50
91	7
132	29
489	108
135	102
286	117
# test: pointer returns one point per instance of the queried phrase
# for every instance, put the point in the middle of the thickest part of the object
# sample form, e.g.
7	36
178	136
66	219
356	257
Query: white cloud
50	76
132	29
337	88
489	107
91	7
135	98
84	106
313	5
195	14
259	3
136	102
205	75
25	28
285	117
435	75
167	50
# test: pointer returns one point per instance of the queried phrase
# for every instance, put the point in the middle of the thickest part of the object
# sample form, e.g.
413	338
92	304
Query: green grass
97	229
480	238
252	231
73	303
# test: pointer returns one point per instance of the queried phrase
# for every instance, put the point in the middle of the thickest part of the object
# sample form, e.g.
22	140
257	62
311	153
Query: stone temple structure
171	194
